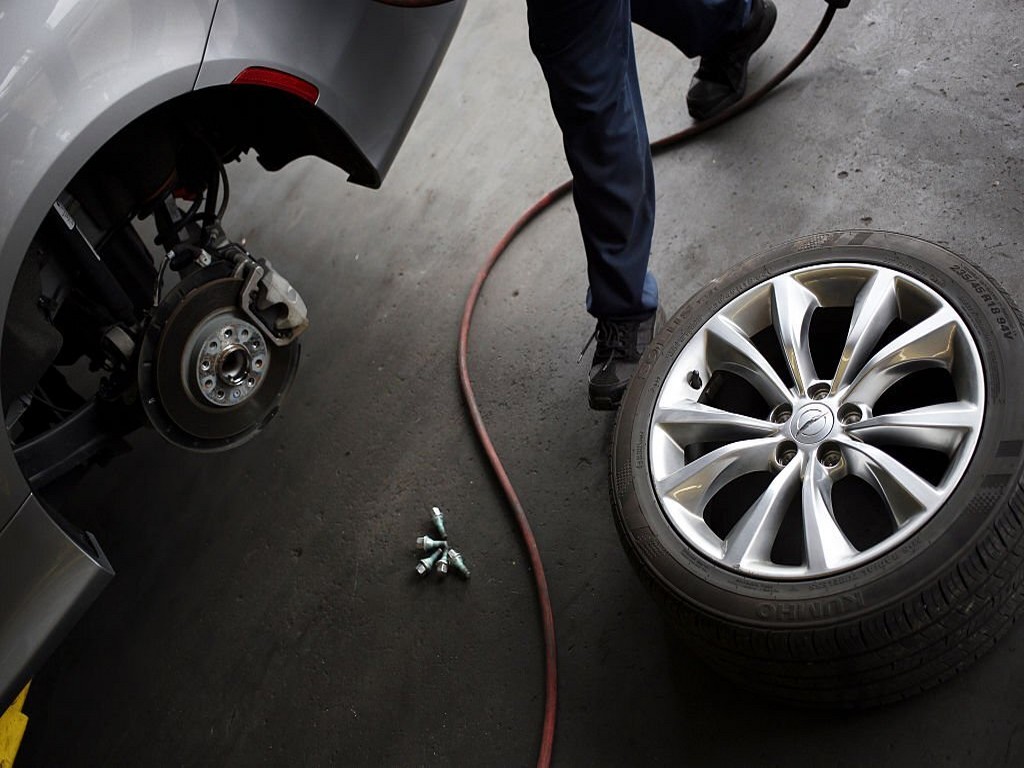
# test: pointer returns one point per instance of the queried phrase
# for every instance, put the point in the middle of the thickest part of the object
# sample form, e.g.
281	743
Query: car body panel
49	576
371	62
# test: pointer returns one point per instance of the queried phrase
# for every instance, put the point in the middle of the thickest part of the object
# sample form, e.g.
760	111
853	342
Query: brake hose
546	614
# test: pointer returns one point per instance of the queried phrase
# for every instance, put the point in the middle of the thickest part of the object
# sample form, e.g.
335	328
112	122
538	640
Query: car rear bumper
371	63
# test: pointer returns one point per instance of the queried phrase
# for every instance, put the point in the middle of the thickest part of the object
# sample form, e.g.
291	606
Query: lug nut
457	562
427	544
438	519
782	414
428	562
850	418
442	564
787	457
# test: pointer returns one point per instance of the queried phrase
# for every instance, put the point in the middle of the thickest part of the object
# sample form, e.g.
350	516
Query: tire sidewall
937	547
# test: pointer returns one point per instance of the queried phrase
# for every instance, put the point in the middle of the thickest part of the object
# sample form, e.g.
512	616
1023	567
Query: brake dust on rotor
442	557
220	349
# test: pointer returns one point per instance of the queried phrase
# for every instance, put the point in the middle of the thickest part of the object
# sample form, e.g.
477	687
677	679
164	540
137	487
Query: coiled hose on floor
547	616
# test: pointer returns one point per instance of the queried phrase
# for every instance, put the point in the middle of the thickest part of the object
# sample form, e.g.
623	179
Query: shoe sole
764	31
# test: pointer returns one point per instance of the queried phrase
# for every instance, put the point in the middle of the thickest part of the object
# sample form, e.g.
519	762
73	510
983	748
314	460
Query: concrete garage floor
266	611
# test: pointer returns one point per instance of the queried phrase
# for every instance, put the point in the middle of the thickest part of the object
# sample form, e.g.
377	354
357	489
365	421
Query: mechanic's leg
695	27
585	49
724	33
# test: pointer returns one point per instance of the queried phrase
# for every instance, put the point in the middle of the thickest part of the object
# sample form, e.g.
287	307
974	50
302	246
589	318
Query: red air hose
547	616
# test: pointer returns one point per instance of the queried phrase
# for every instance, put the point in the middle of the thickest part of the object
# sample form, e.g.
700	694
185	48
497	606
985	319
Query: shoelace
613	335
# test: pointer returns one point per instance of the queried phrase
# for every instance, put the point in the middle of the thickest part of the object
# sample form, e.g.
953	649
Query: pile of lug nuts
442	556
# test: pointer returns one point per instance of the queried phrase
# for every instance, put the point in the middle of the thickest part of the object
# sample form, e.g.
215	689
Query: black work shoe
620	345
722	77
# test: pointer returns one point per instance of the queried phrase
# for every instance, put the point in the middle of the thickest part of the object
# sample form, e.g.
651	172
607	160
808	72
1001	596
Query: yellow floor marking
12	729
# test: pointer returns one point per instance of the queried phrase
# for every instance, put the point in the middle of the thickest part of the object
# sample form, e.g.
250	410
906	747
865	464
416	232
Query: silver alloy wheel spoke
694	422
935	427
792	308
707	438
827	545
928	344
693	485
728	348
875	309
753	537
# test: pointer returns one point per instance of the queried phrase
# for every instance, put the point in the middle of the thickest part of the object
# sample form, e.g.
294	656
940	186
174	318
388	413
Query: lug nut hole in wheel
830	456
819	391
782	414
785	453
850	414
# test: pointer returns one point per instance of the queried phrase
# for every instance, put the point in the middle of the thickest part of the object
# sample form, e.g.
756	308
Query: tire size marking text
989	298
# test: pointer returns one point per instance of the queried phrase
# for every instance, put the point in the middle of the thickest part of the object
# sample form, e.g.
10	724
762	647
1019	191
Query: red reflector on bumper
282	81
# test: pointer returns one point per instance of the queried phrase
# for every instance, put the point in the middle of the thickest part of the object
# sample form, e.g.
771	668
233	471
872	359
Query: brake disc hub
209	376
228	360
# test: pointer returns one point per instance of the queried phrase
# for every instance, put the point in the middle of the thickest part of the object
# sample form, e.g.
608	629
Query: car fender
71	75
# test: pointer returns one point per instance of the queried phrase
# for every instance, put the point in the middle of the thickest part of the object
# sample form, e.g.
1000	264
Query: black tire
882	629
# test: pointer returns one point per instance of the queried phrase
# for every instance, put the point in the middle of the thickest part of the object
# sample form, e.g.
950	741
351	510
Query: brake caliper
271	302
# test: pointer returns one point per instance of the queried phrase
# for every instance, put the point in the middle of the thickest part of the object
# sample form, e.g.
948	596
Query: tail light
282	81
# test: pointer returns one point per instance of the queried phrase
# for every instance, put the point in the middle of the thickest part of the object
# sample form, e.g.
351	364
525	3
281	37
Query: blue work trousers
585	49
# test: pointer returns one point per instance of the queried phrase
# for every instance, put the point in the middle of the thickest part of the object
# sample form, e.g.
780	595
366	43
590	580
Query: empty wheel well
170	145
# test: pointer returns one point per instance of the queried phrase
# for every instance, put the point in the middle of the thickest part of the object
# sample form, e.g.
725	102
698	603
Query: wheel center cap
813	423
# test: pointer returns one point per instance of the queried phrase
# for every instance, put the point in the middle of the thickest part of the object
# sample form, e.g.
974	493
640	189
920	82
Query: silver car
125	302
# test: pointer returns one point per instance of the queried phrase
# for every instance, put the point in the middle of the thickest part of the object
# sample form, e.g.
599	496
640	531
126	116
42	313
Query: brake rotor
209	379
